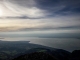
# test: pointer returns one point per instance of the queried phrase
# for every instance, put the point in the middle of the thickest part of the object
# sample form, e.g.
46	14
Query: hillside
36	56
47	54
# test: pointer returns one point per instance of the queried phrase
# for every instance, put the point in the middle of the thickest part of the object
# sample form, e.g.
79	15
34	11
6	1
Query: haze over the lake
54	23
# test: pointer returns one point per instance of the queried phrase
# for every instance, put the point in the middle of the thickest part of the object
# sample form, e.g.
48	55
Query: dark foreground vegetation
23	50
36	56
44	55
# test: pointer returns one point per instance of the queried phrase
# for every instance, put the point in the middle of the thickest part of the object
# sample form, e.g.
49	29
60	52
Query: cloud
25	7
6	29
19	17
44	8
1	38
40	15
60	6
40	24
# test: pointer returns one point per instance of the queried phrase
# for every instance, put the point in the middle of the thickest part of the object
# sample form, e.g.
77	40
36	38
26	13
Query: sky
25	15
41	20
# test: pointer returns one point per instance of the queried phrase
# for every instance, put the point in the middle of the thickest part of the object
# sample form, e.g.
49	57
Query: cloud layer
25	7
33	15
40	24
40	8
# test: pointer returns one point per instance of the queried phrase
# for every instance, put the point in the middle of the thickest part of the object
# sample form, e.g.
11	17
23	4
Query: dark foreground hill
12	49
44	54
75	55
47	54
58	53
36	56
9	50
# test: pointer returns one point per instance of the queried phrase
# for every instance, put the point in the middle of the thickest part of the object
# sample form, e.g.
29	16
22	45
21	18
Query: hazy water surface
69	44
57	39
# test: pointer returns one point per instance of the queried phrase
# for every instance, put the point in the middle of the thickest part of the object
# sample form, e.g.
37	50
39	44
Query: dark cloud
69	27
19	17
50	7
60	6
49	28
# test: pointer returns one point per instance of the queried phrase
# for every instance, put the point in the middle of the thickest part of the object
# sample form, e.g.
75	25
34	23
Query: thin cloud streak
40	24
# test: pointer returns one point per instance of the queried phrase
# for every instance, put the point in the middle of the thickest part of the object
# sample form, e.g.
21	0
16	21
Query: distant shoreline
15	41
